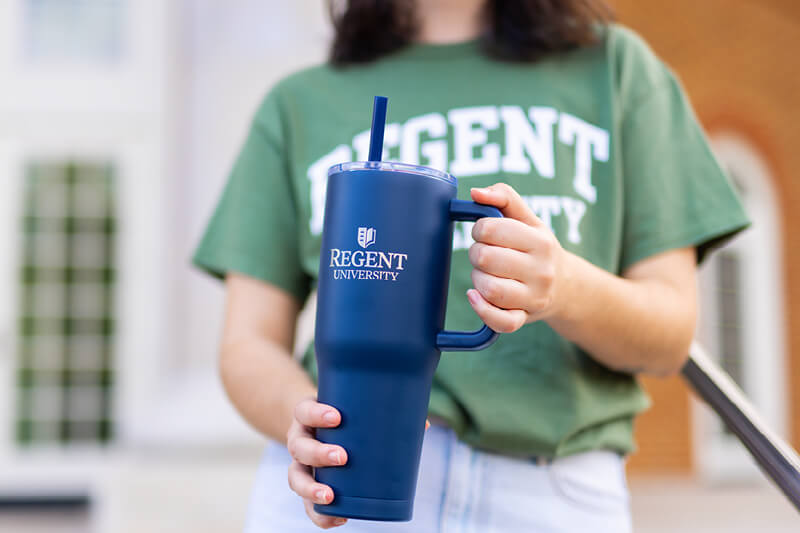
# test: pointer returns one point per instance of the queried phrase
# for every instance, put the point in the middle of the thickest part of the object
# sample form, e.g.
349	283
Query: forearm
632	325
264	383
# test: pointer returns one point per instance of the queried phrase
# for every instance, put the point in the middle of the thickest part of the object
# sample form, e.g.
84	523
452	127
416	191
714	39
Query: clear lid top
398	167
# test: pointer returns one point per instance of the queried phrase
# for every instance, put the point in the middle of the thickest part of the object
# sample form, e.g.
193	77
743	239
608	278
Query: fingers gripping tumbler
383	277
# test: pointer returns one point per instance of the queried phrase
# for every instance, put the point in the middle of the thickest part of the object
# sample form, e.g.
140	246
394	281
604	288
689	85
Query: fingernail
329	417
321	496
339	521
472	297
335	457
482	189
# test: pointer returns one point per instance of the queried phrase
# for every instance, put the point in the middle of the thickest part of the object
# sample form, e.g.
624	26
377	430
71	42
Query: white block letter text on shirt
590	142
470	130
435	125
521	139
574	210
318	175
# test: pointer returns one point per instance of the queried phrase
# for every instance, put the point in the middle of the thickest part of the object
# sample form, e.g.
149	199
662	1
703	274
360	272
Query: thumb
506	199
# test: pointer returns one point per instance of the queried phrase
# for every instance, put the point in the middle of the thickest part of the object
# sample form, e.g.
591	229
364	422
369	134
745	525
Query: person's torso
549	130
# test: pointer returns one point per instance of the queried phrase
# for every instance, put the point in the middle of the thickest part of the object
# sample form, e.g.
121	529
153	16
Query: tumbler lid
394	166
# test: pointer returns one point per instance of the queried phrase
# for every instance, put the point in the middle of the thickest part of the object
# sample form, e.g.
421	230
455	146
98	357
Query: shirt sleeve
254	228
676	194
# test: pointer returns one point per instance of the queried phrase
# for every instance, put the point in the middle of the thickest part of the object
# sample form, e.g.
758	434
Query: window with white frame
65	320
741	321
73	30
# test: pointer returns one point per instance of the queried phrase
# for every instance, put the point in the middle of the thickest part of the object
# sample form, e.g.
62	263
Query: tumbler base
368	509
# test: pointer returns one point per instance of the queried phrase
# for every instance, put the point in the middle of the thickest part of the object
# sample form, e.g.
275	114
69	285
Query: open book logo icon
366	237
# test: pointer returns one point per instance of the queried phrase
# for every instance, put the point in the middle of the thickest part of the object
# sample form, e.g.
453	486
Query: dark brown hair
516	30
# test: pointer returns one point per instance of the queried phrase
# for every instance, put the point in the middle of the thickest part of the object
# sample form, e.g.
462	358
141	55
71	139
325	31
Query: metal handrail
774	455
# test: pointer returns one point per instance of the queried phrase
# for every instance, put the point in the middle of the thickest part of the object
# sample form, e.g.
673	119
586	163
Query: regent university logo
366	264
366	237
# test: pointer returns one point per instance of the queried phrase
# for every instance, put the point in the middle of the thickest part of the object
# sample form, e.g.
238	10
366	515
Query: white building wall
234	52
172	113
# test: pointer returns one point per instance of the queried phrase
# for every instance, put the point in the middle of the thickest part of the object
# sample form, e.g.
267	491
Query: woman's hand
307	451
519	264
522	274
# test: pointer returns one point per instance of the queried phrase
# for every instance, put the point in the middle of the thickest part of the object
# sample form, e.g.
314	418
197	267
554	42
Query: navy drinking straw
378	125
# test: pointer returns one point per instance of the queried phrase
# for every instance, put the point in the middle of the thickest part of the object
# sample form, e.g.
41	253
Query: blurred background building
118	123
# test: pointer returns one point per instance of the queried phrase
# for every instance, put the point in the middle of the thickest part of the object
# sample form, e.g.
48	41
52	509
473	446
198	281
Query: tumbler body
383	276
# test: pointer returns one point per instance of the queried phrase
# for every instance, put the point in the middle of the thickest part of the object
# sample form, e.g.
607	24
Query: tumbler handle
465	341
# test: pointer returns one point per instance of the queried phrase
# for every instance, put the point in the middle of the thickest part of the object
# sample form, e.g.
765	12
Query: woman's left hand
519	264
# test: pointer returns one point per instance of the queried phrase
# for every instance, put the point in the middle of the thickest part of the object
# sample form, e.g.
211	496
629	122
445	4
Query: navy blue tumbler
383	277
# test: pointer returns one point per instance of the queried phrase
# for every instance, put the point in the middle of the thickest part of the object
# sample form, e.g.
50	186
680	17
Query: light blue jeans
463	490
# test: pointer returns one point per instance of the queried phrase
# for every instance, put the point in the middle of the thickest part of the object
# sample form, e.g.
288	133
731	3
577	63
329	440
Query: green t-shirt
600	142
